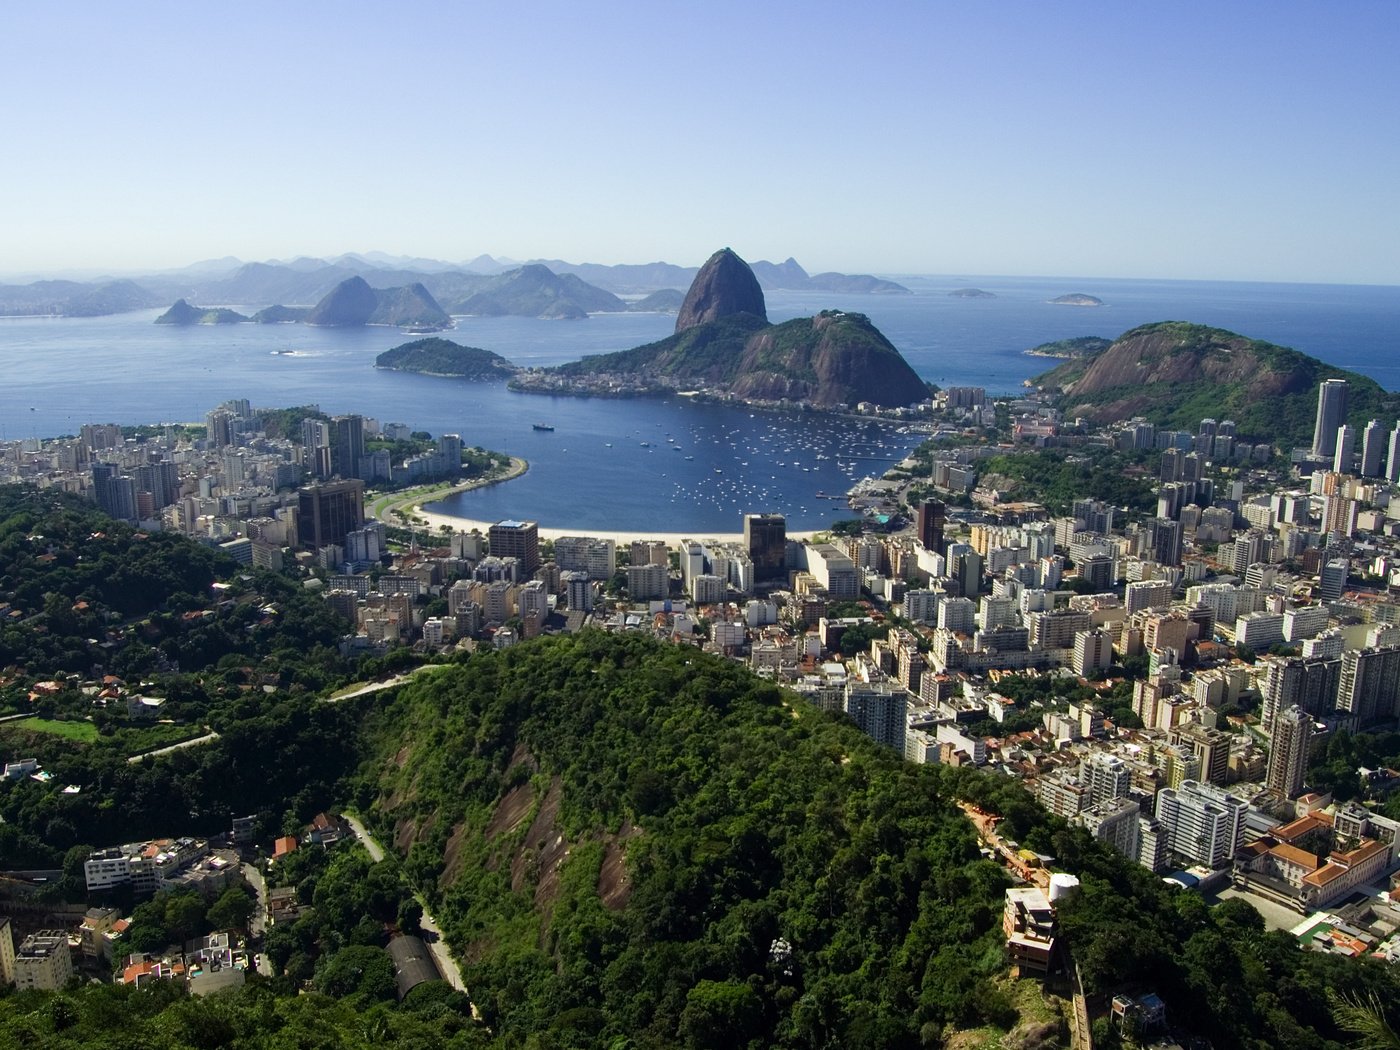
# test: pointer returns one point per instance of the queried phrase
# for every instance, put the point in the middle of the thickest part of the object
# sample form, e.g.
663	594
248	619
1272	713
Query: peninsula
724	346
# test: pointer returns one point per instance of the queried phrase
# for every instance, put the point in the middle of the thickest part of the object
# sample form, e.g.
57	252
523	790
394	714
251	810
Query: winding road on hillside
432	933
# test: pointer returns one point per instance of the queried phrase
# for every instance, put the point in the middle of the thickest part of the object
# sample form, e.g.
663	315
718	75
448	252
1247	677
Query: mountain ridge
1175	373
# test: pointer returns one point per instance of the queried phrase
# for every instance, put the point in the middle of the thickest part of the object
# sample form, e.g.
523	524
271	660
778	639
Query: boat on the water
541	426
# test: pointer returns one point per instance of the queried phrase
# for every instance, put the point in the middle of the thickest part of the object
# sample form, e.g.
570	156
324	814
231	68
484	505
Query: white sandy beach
436	521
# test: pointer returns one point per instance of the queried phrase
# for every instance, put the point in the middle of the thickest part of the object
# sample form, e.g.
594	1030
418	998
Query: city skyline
902	139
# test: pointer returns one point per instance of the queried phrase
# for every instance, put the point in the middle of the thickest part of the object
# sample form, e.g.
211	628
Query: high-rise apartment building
933	519
1204	823
1106	776
765	537
1288	752
1344	459
1331	414
330	511
1372	449
43	961
1369	687
879	708
347	440
516	539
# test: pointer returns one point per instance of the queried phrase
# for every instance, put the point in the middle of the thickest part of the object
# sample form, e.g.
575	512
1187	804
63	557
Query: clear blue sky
1255	141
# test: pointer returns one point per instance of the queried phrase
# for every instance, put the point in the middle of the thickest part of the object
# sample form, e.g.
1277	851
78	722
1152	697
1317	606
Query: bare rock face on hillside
724	286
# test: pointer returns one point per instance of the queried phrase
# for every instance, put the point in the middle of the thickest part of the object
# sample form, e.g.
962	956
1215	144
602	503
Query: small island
442	357
182	313
1071	349
971	293
1077	299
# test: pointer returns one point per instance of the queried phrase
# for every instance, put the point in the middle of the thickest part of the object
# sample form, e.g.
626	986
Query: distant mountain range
484	285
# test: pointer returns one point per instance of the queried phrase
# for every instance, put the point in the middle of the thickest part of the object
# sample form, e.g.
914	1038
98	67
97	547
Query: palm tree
1363	1017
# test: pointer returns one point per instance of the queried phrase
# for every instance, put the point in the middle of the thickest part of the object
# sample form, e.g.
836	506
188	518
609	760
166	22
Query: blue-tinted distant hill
76	298
304	281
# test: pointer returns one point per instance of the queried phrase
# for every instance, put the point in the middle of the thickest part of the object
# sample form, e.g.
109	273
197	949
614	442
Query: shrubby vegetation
1057	479
163	1017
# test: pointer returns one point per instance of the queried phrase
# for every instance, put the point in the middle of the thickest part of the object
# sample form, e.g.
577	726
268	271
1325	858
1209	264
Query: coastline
409	504
412	506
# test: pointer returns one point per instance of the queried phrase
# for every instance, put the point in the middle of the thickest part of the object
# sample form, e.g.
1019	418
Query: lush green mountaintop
1175	374
436	356
707	353
182	313
832	359
652	842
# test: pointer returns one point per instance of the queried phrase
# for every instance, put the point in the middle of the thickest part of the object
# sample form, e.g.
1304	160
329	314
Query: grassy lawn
81	732
126	739
133	740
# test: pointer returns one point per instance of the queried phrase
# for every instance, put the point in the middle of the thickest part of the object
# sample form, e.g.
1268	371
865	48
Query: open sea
646	465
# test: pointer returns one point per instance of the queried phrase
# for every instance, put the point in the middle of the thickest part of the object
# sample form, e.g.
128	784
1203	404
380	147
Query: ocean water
664	465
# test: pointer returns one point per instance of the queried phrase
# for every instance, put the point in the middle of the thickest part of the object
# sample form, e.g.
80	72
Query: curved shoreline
434	521
409	504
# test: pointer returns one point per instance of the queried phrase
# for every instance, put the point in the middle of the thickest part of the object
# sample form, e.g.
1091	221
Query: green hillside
621	835
1175	374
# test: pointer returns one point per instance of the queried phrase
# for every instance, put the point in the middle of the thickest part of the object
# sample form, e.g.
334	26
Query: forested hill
632	841
1176	374
624	837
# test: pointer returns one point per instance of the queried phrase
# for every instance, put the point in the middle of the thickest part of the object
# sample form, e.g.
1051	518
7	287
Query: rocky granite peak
725	286
351	302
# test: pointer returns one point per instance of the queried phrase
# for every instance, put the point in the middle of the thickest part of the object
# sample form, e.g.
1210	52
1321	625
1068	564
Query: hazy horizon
1242	142
82	275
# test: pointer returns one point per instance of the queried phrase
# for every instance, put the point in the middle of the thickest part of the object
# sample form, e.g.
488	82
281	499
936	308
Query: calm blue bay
645	465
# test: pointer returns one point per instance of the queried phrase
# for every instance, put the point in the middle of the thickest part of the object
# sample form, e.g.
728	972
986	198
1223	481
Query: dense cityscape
1174	679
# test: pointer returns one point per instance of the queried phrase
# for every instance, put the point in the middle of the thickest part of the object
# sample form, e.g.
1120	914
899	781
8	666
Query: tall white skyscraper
1344	458
1331	413
1372	449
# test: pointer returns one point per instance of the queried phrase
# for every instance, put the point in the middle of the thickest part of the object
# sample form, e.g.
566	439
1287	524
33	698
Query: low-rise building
1028	920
